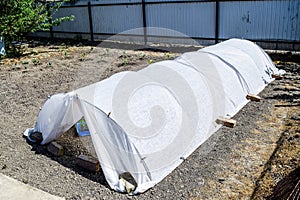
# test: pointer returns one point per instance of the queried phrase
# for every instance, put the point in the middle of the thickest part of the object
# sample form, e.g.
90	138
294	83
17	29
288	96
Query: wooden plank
226	122
88	163
55	149
277	76
253	97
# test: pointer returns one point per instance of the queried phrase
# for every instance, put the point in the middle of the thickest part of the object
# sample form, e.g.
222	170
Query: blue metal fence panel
269	20
95	2
116	19
193	19
113	1
260	20
80	23
174	1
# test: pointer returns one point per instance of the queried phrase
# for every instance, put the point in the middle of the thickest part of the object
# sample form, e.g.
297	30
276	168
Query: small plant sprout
35	62
150	61
25	181
124	56
4	166
143	55
83	56
168	55
125	61
34	52
107	50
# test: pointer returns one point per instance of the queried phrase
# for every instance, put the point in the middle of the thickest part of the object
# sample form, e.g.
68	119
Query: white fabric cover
160	114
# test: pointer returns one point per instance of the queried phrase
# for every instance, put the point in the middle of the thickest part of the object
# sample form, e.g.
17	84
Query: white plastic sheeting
147	122
2	50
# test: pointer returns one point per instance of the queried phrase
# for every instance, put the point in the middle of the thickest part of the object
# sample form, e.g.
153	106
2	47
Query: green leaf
20	17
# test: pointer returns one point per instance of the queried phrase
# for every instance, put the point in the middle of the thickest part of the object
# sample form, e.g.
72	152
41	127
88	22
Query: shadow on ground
73	147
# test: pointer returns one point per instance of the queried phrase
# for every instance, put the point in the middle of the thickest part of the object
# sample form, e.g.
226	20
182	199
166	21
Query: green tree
20	17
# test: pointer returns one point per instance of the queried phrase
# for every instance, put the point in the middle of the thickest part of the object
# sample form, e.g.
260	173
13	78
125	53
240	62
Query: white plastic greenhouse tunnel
146	123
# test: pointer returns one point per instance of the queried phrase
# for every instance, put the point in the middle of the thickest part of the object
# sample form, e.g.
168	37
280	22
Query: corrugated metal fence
275	24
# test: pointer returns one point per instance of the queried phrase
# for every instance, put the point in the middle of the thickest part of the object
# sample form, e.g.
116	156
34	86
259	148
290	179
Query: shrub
20	17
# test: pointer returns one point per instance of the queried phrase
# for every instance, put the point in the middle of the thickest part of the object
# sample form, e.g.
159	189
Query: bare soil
243	162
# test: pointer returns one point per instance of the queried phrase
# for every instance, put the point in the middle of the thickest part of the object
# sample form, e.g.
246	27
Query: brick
55	149
253	97
88	163
276	76
226	122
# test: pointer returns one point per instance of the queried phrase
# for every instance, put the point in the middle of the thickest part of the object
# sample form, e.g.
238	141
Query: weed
125	61
25	62
35	62
124	56
168	55
83	56
25	181
142	55
150	61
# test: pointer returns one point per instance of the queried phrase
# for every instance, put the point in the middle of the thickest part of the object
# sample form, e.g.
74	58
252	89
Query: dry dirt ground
244	162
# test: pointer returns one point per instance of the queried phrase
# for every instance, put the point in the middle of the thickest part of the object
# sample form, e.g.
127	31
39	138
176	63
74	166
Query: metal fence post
144	21
50	21
217	10
91	21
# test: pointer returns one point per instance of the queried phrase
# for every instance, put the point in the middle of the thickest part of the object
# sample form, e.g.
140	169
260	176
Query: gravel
222	167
